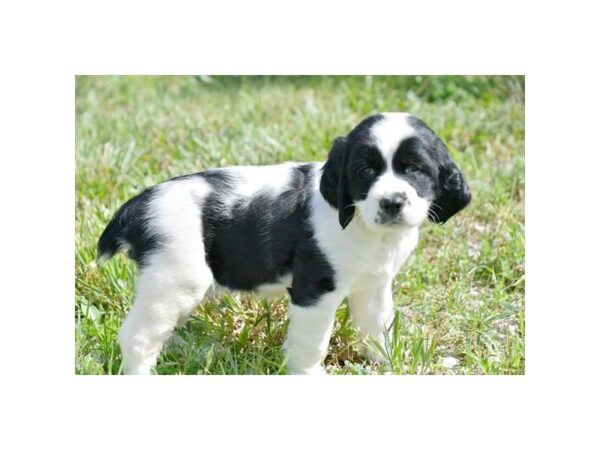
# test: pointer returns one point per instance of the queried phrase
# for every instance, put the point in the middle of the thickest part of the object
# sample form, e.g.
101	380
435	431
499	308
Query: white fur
365	258
388	133
308	334
365	261
173	282
274	290
252	180
414	211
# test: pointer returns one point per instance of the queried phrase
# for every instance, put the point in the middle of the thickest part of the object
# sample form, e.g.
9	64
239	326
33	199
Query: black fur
258	241
354	164
333	182
255	242
348	157
414	164
452	192
250	242
129	225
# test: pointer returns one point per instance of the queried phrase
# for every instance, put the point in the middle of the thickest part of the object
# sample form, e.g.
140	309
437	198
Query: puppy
321	232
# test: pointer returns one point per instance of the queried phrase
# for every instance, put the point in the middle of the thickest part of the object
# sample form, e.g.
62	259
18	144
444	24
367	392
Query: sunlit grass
461	295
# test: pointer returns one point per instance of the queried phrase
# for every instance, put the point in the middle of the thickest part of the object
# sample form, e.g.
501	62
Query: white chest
358	253
378	255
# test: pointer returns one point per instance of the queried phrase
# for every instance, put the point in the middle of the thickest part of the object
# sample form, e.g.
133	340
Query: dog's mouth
390	220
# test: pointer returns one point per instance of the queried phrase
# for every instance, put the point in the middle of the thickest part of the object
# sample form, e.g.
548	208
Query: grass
459	299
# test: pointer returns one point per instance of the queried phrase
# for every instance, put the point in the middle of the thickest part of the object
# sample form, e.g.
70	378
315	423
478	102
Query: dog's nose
392	204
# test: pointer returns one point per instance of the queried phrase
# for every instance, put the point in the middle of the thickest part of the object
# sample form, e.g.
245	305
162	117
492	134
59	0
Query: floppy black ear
333	182
453	192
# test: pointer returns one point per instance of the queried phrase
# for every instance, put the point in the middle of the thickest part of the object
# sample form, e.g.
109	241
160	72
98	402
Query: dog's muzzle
391	206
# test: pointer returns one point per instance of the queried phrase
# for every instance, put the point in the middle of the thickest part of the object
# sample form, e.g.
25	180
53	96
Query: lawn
459	299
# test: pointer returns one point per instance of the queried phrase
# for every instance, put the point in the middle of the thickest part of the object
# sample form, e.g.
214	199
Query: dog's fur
320	231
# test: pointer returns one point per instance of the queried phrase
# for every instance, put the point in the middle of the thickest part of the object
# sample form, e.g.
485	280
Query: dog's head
395	170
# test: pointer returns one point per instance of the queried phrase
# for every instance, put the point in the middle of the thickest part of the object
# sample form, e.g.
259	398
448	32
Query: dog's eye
367	172
411	168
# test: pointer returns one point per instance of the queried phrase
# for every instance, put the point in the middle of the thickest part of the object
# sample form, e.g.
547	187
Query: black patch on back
258	240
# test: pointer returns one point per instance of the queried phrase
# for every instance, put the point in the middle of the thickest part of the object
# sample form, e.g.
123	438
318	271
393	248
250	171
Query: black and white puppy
320	231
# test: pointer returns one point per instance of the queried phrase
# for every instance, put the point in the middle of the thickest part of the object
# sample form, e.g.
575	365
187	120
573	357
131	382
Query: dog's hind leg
167	293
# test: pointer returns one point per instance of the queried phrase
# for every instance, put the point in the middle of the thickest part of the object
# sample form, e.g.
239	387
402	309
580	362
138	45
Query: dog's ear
333	182
453	193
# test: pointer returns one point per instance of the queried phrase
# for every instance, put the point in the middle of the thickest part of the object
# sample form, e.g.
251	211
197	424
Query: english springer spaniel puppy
321	232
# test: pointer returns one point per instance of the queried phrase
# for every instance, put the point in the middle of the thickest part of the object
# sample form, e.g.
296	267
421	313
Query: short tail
128	230
112	238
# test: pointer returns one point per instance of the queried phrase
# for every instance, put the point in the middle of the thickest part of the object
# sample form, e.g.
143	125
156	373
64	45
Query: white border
47	43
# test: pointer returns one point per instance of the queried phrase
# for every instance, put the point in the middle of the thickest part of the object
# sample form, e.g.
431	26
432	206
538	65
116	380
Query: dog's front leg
309	331
372	312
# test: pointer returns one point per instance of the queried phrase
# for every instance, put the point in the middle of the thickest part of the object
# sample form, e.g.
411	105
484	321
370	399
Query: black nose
392	204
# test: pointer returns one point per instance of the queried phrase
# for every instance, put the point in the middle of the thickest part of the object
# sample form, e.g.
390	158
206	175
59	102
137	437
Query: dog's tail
128	229
111	240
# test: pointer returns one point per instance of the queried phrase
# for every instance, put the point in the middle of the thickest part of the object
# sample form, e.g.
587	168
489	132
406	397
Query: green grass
460	295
